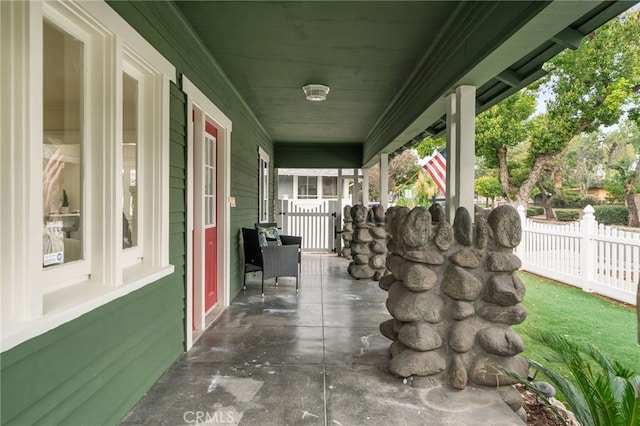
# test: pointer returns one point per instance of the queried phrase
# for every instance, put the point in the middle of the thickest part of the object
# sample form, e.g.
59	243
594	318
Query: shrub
535	211
566	199
612	214
601	390
568	215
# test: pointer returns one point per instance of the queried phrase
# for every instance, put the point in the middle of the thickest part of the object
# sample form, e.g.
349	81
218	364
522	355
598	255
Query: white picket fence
314	220
585	254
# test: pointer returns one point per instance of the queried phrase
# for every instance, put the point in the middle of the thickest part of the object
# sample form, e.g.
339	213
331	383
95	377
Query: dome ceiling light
316	92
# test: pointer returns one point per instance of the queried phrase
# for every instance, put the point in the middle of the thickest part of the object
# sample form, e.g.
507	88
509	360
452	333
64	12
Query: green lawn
581	317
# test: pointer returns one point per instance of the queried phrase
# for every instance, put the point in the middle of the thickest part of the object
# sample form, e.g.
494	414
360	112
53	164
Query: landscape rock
419	336
410	363
406	305
503	262
460	284
386	281
444	238
386	329
500	341
418	277
505	290
483	371
457	374
462	336
507	228
510	315
465	258
461	310
462	227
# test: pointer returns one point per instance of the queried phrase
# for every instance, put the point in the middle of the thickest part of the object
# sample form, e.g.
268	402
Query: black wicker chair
285	239
274	261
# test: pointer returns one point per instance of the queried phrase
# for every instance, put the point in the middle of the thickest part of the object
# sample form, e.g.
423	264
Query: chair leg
262	284
276	281
244	281
297	283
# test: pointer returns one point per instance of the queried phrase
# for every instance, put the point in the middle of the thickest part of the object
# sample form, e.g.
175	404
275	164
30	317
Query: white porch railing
585	254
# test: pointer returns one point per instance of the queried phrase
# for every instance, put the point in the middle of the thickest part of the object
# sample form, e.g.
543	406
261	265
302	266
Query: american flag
437	169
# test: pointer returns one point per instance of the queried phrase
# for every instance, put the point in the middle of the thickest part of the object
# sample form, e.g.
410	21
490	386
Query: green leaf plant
599	391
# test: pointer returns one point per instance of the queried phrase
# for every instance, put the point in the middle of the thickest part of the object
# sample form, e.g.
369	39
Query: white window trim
27	310
263	182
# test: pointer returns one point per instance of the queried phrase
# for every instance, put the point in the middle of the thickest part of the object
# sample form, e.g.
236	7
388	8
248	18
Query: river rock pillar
454	294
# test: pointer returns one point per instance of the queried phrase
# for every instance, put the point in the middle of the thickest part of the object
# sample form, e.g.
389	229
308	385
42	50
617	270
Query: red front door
210	215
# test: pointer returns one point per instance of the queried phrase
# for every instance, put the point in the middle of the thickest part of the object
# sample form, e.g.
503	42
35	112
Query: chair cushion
268	233
262	239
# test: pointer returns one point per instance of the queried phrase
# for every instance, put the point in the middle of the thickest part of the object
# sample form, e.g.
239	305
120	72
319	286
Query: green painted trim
328	156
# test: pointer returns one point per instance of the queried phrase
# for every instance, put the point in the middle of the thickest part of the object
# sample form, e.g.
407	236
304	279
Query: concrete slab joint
454	293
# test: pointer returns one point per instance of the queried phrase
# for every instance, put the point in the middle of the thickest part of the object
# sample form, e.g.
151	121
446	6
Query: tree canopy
592	86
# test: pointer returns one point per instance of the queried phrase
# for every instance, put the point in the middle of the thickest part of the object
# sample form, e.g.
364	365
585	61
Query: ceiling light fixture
316	92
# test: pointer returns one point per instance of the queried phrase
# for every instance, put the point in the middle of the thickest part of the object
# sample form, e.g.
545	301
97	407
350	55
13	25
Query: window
87	163
130	148
209	179
307	187
263	186
330	187
63	101
285	187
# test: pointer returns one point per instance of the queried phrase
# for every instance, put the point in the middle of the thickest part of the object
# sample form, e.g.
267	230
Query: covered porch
315	358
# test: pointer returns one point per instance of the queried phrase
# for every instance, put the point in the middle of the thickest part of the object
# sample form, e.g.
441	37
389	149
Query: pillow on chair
262	239
269	233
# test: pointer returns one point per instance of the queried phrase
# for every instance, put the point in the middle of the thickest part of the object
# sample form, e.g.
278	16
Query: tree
500	128
624	157
424	189
589	87
403	170
488	186
426	147
585	161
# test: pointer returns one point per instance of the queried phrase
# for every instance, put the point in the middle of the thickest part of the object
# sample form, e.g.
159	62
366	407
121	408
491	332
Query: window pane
285	186
62	163
210	180
129	161
312	185
329	187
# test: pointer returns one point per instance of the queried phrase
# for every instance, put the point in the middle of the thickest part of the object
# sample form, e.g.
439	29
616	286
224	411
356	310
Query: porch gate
314	220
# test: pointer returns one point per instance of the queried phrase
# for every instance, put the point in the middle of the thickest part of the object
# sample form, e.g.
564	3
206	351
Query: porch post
452	201
356	195
365	187
340	188
465	114
384	180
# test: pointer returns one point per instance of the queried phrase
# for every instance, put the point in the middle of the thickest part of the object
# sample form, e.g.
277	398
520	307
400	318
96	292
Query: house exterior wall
92	370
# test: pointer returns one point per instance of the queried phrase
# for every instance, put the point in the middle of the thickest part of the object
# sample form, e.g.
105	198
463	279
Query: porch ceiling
389	63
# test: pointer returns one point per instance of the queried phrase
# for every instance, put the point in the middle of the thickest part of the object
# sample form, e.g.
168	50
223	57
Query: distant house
310	184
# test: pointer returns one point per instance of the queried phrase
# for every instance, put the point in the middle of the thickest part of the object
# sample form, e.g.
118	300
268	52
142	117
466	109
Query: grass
581	317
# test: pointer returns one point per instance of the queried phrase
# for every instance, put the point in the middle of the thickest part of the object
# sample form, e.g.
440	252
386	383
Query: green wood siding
94	369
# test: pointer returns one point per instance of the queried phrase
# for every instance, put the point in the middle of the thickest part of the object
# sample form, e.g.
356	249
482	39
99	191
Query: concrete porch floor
316	358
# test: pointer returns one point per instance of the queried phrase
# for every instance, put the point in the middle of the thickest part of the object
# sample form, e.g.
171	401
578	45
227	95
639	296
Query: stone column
454	295
378	244
360	252
347	231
